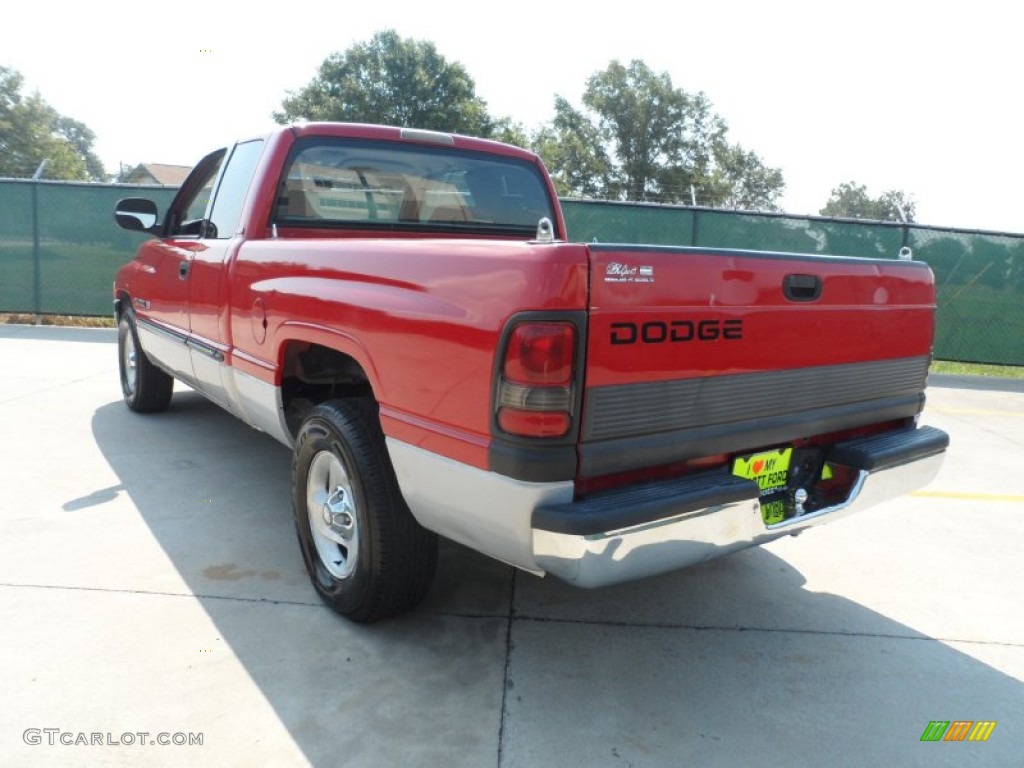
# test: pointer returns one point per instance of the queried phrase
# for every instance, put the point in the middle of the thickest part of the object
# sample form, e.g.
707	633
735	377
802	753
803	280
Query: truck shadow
544	673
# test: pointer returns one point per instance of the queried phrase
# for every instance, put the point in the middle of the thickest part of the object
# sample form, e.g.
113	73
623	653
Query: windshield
347	182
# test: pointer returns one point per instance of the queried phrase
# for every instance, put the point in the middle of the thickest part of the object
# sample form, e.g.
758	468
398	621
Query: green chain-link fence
60	247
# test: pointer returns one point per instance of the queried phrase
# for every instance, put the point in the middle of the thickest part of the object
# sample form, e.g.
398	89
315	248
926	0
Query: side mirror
136	213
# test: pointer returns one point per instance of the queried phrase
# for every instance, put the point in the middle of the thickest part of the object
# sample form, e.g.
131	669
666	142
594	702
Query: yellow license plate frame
769	469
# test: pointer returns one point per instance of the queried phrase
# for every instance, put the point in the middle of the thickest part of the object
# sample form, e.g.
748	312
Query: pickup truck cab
404	310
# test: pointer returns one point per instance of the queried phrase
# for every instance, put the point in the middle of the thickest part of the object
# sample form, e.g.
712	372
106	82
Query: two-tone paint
423	318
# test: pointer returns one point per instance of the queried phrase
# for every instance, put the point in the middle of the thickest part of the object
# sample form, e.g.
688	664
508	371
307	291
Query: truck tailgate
699	352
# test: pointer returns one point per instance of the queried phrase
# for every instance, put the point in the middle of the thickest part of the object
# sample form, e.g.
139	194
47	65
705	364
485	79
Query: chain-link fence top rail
60	247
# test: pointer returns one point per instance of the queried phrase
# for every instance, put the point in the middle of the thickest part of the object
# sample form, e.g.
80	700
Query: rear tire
146	388
366	555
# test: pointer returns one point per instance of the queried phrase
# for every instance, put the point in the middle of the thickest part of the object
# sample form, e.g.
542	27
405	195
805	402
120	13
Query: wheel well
123	301
312	374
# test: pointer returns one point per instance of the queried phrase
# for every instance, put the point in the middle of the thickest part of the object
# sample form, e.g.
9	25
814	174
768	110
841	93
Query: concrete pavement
150	582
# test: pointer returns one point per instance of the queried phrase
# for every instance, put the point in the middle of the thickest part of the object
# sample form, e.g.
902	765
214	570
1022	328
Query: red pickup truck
403	309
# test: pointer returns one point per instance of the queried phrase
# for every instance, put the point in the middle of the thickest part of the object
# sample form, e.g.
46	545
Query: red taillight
541	354
535	391
532	423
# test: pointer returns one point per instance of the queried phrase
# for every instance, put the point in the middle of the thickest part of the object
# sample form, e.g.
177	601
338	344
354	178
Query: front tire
146	388
366	555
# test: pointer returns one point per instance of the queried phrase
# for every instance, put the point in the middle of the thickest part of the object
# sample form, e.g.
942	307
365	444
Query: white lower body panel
485	511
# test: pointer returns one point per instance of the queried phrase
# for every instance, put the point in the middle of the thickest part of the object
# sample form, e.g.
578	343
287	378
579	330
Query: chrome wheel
366	555
128	364
333	518
146	388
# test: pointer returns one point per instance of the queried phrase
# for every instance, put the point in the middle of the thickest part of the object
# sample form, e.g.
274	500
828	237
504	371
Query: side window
185	217
234	183
197	208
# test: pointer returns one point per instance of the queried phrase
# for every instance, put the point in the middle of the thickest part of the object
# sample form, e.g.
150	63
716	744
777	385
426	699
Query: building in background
157	173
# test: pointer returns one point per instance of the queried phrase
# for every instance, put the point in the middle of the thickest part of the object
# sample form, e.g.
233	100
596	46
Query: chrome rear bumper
629	534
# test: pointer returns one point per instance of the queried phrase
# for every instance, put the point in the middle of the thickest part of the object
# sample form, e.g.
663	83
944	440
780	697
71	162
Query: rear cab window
364	184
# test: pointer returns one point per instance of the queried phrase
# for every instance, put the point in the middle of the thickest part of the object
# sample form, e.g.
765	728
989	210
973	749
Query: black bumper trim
632	506
533	463
636	505
890	449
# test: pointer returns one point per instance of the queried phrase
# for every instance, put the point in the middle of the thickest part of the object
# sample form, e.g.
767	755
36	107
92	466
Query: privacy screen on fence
59	248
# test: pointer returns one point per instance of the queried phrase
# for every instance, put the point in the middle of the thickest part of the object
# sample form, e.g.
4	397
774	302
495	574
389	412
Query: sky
921	97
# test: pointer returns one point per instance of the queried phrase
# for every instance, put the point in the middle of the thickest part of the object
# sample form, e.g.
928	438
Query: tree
573	150
644	116
32	131
81	137
393	81
851	200
742	181
641	138
505	129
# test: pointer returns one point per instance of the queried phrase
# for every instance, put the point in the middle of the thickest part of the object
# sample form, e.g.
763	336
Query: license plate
768	469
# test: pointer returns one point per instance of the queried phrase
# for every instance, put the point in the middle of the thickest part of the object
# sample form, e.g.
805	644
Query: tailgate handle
802	287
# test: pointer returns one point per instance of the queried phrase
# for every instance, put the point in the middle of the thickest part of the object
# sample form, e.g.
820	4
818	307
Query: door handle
802	287
183	269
